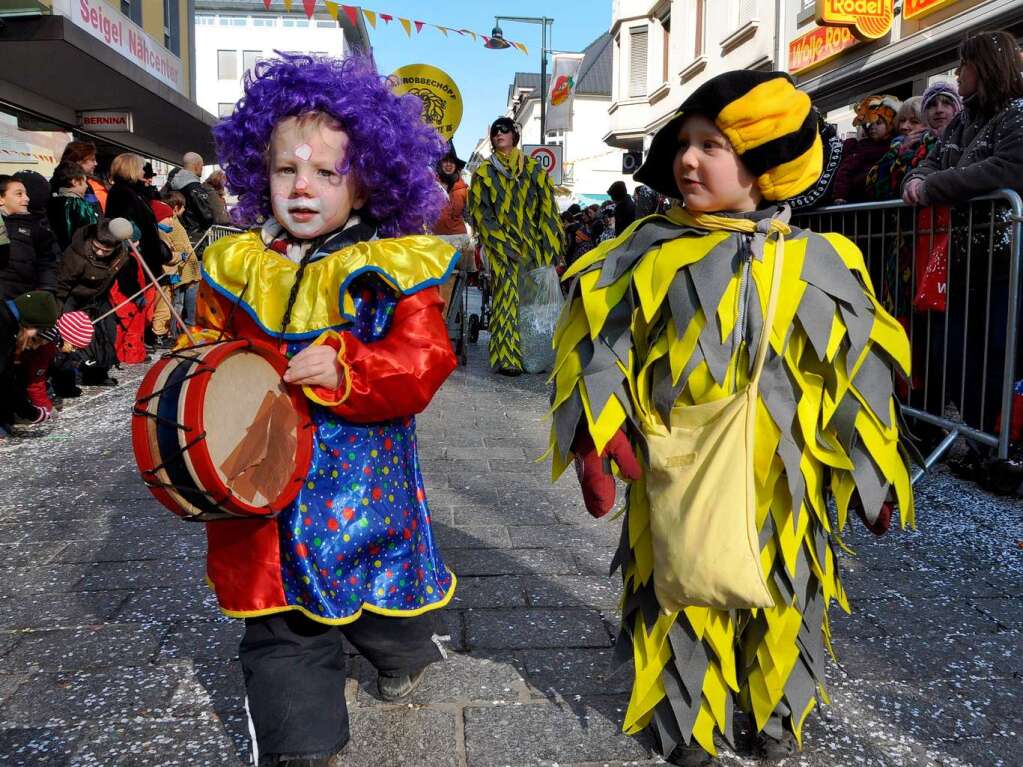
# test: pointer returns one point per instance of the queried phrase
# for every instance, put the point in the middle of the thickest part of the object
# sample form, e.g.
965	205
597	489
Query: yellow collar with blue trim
242	269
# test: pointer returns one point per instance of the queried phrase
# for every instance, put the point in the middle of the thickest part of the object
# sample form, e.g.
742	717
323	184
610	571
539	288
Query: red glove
884	517
594	470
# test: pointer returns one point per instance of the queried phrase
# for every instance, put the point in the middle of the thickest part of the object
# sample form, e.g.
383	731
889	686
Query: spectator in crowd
87	271
31	263
647	201
884	180
875	120
625	208
67	210
940	103
608	222
84	153
980	151
188	286
72	337
21	319
72	332
198	216
216	191
449	173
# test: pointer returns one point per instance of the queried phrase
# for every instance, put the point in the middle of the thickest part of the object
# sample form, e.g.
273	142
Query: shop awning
55	70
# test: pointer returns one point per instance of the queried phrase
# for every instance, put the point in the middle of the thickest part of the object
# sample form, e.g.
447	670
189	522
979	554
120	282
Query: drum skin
183	379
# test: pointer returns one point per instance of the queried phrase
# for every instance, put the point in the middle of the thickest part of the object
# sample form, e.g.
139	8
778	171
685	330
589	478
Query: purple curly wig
391	150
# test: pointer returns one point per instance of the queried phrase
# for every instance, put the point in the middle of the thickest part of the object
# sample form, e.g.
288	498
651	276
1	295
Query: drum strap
294	291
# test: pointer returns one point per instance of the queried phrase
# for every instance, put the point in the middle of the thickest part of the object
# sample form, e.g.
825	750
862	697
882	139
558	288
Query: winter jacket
84	278
884	180
129	200
67	213
217	206
198	215
977	154
33	257
858	157
185	265
625	213
451	219
9	393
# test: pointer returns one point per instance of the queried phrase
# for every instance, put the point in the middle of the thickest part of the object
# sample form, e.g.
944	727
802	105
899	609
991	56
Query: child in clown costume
340	278
671	315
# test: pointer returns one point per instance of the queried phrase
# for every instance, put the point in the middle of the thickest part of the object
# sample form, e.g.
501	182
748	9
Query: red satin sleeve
398	375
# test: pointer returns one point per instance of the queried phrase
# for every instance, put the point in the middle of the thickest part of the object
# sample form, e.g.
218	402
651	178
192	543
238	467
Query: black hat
147	171
37	309
770	124
452	155
505	122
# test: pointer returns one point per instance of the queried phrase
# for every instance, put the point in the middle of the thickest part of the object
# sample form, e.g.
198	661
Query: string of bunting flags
372	17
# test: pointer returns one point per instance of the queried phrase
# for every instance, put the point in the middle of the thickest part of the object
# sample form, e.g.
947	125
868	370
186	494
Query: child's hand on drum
314	366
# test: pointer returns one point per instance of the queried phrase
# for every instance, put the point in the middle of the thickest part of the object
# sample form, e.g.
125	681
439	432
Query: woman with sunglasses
511	206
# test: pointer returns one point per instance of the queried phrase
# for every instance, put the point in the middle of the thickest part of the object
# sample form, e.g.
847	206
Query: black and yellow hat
770	123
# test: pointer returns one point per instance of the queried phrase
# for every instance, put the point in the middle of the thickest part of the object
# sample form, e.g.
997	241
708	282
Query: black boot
692	755
772	749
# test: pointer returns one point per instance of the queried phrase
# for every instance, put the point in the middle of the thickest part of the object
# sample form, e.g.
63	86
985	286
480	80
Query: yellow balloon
442	101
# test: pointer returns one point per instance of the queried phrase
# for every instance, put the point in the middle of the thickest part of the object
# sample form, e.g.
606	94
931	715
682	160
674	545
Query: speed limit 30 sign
550	158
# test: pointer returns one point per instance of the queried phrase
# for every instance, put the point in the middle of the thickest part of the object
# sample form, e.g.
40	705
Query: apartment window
133	10
699	24
232	21
745	11
224	110
296	22
172	27
326	24
227	65
666	45
637	61
205	21
258	21
250	58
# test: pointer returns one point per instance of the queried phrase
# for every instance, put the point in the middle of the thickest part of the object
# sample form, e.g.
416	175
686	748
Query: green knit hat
37	309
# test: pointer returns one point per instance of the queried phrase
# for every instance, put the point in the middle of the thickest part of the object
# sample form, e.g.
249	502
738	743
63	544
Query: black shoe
510	372
772	749
69	393
107	381
690	756
392	688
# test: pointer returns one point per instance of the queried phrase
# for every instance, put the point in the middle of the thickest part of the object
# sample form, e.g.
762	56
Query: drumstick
117	228
126	301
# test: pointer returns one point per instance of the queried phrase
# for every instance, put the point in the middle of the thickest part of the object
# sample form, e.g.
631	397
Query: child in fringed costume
512	209
338	170
666	321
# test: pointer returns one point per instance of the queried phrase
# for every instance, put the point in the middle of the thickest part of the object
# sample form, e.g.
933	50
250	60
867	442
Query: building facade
231	36
590	164
118	72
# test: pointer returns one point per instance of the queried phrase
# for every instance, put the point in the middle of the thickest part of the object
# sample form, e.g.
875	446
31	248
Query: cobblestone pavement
112	651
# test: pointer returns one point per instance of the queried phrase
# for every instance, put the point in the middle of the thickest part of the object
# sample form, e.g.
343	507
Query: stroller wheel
474	328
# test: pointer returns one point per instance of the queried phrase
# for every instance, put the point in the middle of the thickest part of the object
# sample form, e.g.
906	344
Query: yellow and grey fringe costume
512	209
666	315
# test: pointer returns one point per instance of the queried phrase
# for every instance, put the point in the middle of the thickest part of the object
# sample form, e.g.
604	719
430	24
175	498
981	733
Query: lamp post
497	42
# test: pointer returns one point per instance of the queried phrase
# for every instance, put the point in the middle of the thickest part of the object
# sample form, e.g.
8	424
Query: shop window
227	65
637	61
225	109
133	10
205	21
172	27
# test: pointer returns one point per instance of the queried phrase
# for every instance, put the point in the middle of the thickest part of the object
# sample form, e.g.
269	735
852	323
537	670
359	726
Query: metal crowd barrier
214	233
965	357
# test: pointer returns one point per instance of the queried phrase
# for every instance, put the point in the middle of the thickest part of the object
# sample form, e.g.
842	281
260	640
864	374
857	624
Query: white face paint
308	195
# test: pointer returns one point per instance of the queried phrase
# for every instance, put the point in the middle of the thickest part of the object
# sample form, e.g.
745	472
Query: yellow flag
444	30
332	8
371	17
408	26
287	5
521	47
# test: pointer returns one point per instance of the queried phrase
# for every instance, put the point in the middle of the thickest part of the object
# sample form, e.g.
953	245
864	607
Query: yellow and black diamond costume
512	209
665	316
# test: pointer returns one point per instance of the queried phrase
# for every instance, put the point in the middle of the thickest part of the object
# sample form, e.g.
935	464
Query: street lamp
497	42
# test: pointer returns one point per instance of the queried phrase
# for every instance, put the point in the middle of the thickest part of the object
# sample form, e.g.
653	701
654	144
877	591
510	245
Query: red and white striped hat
75	328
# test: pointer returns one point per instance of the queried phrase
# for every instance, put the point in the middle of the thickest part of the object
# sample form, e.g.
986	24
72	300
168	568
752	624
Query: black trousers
295	676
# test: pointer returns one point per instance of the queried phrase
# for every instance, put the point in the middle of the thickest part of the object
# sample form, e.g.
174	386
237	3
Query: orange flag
371	17
407	25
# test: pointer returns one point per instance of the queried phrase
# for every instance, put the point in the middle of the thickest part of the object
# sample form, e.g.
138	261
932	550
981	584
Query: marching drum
217	434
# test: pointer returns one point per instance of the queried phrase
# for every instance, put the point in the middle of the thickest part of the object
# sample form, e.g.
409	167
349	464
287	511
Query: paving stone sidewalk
112	652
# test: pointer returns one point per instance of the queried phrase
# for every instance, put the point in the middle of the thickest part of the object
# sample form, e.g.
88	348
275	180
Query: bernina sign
869	19
105	122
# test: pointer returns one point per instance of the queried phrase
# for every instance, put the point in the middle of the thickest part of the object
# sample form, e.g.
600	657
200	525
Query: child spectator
884	180
88	269
55	355
72	338
21	320
940	103
875	118
67	210
84	153
32	261
189	273
174	284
